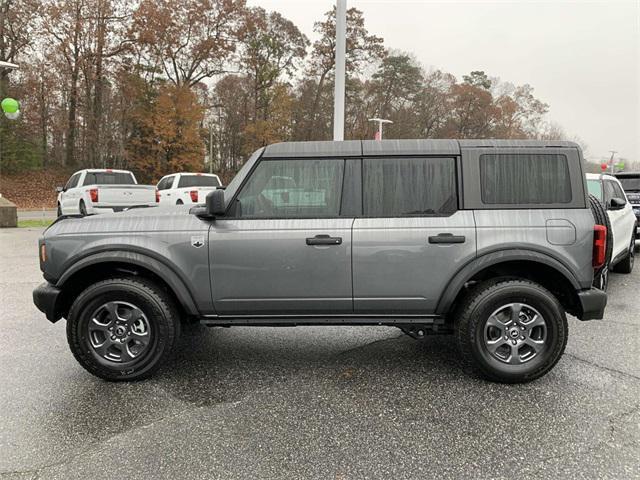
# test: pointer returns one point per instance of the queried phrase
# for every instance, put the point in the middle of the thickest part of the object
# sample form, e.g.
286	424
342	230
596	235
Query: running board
434	322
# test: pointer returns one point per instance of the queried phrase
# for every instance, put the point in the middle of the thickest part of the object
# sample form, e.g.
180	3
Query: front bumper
45	297
592	303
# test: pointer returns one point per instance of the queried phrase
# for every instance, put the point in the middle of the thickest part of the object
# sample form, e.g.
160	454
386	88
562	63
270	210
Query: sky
581	57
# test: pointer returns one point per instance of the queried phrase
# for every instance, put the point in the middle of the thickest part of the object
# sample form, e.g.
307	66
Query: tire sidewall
80	315
545	305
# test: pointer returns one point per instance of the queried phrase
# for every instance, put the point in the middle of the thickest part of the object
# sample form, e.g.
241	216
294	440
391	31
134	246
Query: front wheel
511	331
626	264
59	211
122	328
82	208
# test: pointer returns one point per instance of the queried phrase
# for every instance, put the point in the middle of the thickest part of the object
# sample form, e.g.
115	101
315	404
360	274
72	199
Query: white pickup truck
186	188
103	190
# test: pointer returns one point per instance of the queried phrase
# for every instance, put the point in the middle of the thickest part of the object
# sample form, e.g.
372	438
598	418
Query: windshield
187	181
109	178
630	183
595	188
230	191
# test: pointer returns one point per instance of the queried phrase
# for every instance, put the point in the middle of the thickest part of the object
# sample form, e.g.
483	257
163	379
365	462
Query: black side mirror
616	203
215	203
59	189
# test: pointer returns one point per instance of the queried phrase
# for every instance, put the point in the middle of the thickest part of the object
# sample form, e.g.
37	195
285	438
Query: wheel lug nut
113	337
513	341
522	337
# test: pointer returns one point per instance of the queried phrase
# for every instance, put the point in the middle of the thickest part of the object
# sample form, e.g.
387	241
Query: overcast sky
581	57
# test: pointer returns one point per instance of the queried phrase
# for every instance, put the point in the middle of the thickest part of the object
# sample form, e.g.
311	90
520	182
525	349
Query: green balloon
620	165
10	105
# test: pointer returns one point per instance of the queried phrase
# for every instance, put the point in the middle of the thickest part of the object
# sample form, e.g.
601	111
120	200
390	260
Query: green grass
34	223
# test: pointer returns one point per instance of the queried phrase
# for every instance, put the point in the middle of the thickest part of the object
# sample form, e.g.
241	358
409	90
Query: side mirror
617	203
215	203
59	189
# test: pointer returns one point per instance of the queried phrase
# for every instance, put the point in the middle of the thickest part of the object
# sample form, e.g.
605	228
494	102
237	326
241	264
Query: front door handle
324	240
447	238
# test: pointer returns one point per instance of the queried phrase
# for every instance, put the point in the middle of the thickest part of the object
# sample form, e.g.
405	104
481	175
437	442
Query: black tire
488	298
601	275
159	313
82	208
179	202
59	212
626	264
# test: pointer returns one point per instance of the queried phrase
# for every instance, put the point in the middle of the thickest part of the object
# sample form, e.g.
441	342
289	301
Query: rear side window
395	187
165	183
630	183
527	179
109	178
187	181
73	181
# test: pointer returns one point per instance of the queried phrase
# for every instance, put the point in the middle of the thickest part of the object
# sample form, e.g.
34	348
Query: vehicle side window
292	189
395	187
166	183
617	191
524	178
73	181
595	188
609	192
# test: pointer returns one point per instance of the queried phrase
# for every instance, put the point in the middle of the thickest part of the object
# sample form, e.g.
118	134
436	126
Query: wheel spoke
493	345
103	348
536	321
125	356
102	327
136	313
514	358
516	308
536	345
494	322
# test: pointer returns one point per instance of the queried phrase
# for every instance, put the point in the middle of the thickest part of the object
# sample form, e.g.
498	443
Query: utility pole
4	66
380	122
341	45
611	167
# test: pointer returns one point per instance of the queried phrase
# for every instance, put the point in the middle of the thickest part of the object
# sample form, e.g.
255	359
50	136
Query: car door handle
324	240
447	238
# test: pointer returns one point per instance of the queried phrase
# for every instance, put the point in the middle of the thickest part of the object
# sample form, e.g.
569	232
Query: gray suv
491	241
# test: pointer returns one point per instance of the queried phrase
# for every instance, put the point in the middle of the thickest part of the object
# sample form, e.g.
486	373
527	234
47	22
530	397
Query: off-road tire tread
163	305
464	335
601	218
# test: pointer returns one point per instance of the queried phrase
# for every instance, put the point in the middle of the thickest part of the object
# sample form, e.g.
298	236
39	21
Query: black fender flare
144	260
478	264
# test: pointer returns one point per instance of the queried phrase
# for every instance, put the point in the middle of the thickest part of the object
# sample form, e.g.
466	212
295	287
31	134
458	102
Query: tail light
93	194
157	195
194	196
599	245
43	253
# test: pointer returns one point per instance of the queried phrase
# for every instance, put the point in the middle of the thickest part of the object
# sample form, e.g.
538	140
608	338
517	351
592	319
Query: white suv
186	188
609	191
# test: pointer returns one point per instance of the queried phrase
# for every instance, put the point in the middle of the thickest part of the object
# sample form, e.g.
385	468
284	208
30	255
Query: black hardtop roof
354	148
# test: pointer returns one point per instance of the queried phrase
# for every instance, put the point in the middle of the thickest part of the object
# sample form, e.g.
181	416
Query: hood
156	219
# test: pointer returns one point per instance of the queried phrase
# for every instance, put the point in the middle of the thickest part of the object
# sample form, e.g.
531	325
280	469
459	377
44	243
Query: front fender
142	259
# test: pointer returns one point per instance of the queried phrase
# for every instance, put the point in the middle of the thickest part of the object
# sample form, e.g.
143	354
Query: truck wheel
59	211
122	329
82	208
511	331
601	276
626	264
179	202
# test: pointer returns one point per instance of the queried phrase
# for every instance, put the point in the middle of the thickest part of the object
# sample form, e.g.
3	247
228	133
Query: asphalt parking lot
308	402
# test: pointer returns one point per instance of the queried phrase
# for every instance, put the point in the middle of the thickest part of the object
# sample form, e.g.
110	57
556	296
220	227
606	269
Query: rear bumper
592	303
45	297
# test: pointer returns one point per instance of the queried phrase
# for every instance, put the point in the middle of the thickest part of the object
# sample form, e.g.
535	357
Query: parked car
186	188
630	182
624	225
492	241
103	190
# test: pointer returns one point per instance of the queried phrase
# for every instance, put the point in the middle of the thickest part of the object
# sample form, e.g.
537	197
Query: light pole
341	46
380	122
611	166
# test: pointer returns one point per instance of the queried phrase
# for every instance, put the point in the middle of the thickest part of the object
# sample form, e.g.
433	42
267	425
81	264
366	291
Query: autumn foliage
159	86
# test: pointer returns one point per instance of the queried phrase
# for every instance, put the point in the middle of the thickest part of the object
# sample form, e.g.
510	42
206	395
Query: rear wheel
59	211
511	331
626	264
601	275
82	208
122	329
179	202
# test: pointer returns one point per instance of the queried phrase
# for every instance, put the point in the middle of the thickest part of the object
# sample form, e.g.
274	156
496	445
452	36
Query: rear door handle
447	238
324	240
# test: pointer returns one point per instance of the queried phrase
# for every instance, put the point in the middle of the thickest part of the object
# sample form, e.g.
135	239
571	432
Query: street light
338	93
380	122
